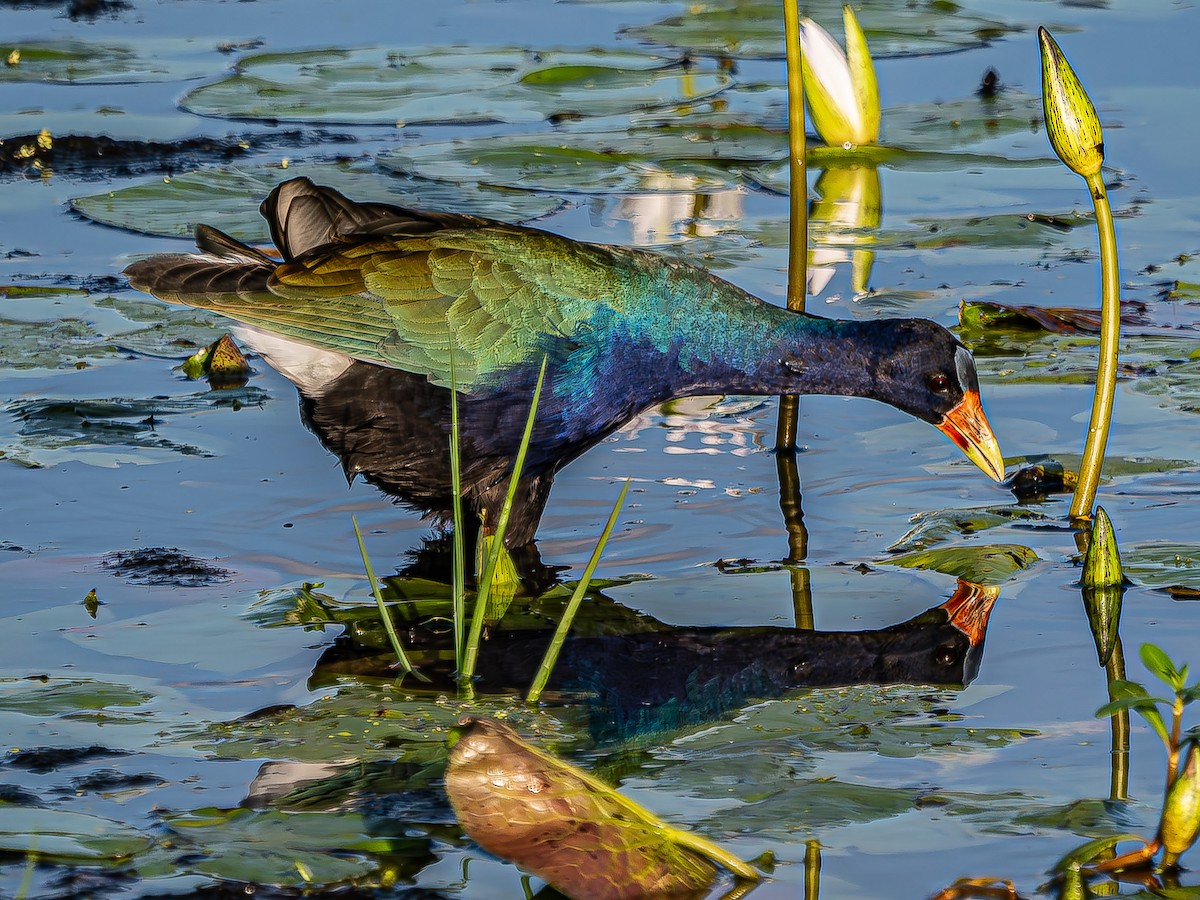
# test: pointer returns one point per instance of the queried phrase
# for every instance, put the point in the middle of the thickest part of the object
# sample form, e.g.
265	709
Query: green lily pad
67	837
92	62
58	696
669	158
228	199
792	734
68	331
1163	564
939	526
110	431
754	29
980	563
372	719
448	84
264	846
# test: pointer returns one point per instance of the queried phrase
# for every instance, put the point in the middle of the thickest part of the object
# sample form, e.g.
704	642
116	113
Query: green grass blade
393	636
458	578
568	616
471	656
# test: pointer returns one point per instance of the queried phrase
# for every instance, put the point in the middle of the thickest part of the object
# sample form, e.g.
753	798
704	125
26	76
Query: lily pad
1163	564
939	526
67	331
111	430
58	696
664	159
448	84
980	563
754	29
371	719
228	199
93	62
68	837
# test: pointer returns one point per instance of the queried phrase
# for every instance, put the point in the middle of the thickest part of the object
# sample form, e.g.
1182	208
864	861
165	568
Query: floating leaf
982	563
566	827
448	84
754	28
69	837
228	198
95	62
939	526
690	157
978	314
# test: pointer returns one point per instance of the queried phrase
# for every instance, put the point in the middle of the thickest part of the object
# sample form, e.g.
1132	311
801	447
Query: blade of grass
568	616
393	636
458	579
471	656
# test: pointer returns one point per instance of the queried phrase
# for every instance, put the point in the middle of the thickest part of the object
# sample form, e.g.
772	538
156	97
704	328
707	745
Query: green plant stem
392	634
789	405
1106	369
471	655
568	616
458	578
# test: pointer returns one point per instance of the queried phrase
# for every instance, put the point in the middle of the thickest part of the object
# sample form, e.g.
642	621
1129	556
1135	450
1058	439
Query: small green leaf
1157	661
1085	853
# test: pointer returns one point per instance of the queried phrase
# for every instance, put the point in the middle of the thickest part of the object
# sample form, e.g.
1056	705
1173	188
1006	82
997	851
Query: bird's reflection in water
637	675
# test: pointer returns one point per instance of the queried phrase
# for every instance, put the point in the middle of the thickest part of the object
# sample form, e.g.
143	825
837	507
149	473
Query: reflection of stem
790	506
1106	369
785	432
793	520
812	870
1115	670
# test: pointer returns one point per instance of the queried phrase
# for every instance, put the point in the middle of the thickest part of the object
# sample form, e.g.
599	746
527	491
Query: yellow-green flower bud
1181	811
1102	561
840	86
1071	120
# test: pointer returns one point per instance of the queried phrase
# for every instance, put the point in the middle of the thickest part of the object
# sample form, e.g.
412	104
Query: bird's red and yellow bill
968	427
970	607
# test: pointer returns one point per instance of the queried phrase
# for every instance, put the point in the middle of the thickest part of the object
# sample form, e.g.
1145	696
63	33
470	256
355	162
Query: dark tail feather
199	280
303	216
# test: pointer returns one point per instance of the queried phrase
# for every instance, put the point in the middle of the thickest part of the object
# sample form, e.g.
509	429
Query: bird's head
925	371
915	365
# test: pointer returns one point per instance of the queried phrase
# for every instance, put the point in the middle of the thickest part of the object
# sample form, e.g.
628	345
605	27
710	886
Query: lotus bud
1071	120
840	86
1102	561
1181	810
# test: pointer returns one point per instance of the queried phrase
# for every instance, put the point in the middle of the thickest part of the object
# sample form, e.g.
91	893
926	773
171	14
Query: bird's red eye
939	383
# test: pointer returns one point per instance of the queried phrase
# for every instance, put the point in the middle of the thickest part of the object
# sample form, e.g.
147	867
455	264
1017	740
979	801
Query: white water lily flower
840	87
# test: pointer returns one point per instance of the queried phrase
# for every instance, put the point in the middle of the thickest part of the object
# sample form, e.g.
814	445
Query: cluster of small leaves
1130	695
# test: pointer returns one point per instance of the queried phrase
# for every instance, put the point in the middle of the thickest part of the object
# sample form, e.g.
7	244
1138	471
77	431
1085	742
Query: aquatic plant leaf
368	719
262	846
564	826
754	28
980	563
1162	666
104	431
96	62
68	331
669	158
1134	696
58	835
228	198
1164	564
448	84
56	696
941	525
983	315
1086	853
